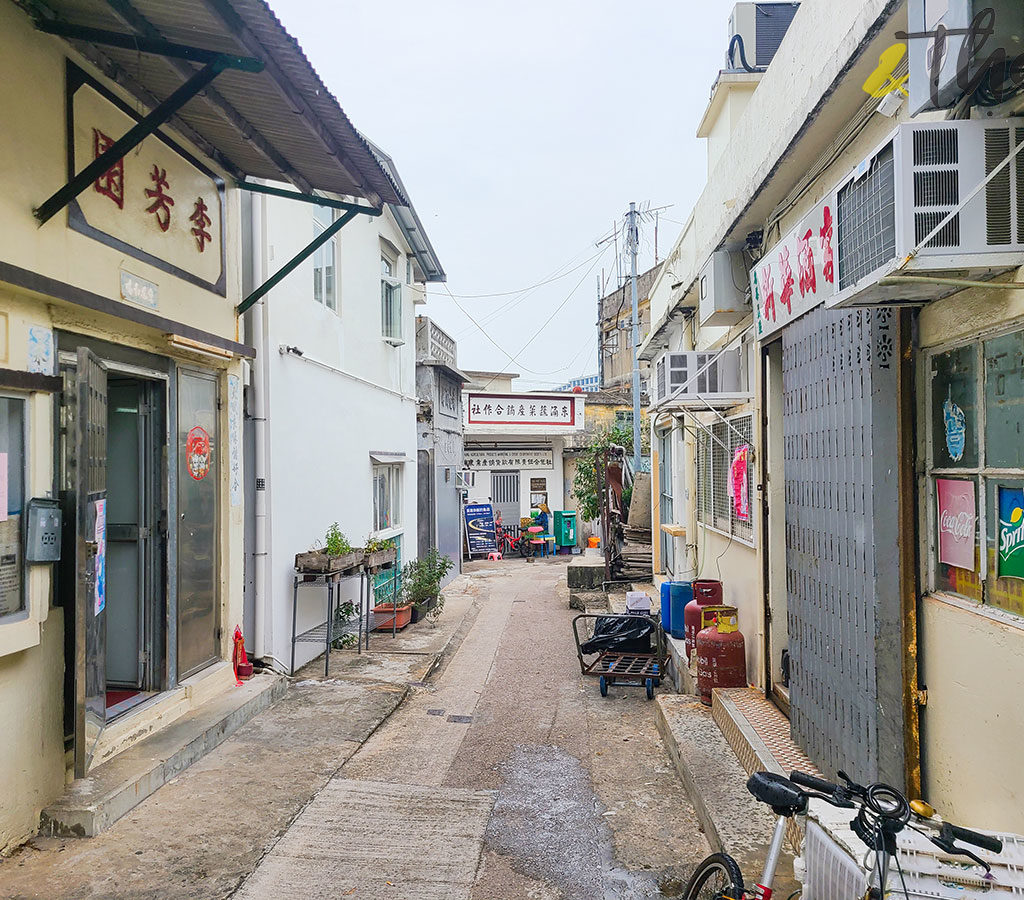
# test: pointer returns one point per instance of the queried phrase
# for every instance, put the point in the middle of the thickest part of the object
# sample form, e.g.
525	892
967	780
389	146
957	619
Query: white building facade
332	410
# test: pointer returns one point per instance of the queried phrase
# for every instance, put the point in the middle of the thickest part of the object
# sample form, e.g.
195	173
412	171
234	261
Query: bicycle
882	812
508	543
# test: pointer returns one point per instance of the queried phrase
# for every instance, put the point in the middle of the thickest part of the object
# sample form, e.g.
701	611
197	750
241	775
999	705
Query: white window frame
743	532
394	474
391	312
981	475
325	260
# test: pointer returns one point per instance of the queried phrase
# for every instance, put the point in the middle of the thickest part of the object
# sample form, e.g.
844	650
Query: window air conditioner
465	479
903	190
722	288
1006	23
762	26
699	378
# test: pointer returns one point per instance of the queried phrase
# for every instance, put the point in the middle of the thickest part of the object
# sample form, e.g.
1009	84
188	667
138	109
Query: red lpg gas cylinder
721	659
706	592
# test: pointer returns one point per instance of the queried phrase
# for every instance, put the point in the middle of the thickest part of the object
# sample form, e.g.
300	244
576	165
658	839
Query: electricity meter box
42	533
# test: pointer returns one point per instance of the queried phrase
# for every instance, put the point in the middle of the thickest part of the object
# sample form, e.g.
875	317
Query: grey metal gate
505	496
840	421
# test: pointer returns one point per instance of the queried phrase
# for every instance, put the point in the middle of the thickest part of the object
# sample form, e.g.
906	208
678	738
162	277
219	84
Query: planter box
320	561
381	559
420	610
403	615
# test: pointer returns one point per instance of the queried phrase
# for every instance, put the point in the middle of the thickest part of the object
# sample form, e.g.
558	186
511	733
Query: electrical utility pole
633	241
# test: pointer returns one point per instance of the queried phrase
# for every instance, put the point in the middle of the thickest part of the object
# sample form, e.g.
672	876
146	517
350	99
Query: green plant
584	483
343	614
434	613
336	543
373	545
421	578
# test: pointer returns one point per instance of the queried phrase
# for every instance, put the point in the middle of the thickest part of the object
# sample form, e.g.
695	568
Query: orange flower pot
403	614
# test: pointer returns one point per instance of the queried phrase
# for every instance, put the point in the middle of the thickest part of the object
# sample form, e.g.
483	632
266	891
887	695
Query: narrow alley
502	775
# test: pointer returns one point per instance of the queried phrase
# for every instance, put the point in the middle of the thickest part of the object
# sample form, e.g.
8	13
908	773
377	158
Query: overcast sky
522	131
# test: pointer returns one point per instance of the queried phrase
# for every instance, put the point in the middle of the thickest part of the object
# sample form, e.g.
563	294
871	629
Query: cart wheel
603	683
649	684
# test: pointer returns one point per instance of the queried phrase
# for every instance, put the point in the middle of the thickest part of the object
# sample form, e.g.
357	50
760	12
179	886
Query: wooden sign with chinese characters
798	273
158	204
519	409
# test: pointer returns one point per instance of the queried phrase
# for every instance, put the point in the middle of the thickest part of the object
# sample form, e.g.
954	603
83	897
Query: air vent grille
866	219
936	147
937	187
997	191
924	222
660	374
1019	167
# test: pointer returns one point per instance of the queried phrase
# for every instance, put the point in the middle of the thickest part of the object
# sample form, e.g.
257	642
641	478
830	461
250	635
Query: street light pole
633	239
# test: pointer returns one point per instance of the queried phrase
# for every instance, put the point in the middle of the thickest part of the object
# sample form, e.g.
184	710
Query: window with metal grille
725	459
866	220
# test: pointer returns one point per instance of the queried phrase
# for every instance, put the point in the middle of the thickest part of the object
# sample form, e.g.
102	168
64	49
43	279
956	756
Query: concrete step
758	732
733	821
92	804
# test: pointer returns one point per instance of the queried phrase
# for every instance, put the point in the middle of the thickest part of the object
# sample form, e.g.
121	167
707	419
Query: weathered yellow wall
972	730
32	166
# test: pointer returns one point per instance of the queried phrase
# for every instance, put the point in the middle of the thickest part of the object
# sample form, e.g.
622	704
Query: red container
404	615
721	656
706	592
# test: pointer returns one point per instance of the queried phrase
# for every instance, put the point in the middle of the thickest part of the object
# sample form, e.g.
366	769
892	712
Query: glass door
198	477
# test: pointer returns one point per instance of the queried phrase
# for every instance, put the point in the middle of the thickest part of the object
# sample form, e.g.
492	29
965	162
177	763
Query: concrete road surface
507	776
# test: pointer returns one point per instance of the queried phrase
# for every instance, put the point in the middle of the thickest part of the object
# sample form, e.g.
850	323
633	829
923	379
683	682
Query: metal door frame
214	376
518	481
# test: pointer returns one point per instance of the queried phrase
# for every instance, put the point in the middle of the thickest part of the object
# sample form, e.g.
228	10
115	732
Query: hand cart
622	661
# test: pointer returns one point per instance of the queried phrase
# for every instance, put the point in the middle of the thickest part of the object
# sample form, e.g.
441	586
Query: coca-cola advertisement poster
958	513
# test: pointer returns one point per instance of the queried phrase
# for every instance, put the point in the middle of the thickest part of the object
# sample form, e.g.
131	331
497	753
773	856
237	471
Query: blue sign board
480	532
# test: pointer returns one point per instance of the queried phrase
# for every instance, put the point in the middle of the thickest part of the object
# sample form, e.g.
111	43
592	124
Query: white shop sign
510	459
798	273
520	409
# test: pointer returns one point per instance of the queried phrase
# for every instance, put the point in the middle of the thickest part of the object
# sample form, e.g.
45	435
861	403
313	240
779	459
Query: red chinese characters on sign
162	202
768	281
786	271
826	246
805	264
200	221
110	183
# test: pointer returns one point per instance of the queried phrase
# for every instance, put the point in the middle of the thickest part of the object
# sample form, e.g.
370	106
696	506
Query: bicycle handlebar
813	782
985	841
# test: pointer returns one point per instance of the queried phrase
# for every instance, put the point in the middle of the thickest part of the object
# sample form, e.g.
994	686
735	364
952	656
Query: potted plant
379	554
421	584
393	606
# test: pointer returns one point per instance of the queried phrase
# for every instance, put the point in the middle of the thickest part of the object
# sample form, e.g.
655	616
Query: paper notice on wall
100	567
235	439
3	487
40	350
10	565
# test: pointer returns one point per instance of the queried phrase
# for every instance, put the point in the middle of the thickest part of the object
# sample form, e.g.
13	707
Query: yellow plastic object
922	809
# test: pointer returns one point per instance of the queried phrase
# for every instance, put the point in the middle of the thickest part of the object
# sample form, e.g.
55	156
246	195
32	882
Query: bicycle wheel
718	876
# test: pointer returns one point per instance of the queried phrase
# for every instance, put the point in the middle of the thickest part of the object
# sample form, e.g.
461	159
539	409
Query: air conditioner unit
905	189
722	289
696	378
923	18
762	26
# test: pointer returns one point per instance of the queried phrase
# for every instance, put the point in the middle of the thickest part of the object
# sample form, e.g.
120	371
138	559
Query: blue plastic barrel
666	606
680	593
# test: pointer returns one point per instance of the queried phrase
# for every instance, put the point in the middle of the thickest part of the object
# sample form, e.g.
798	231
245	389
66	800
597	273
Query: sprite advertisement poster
1010	557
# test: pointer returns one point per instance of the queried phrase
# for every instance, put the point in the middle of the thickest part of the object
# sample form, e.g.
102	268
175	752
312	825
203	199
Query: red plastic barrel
706	592
721	656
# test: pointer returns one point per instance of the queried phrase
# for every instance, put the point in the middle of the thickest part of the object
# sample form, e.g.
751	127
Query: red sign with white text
957	515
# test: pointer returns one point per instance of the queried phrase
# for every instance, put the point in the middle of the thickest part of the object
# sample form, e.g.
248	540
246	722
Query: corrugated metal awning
278	123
